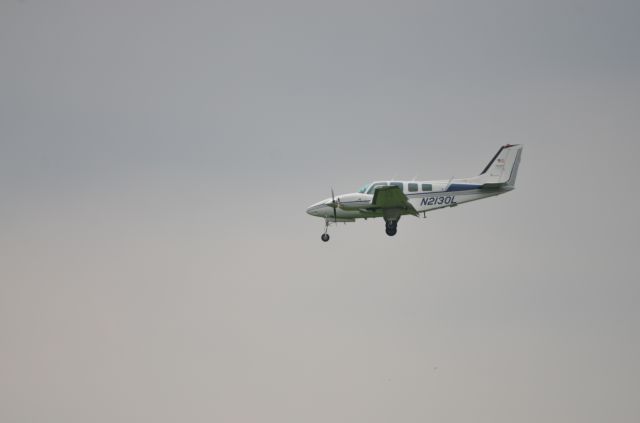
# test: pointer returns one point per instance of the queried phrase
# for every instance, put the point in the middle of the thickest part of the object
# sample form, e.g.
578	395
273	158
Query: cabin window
427	187
413	187
397	184
374	186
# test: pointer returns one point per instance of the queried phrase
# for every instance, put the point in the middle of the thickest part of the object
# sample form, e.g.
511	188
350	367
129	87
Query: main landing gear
391	227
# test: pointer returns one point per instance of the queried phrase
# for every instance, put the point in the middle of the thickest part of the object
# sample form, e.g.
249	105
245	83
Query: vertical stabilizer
503	168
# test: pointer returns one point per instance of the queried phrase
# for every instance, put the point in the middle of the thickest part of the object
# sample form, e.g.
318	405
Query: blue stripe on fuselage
462	187
452	188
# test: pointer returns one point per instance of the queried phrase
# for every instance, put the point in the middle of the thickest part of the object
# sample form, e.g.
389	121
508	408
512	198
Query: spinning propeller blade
335	206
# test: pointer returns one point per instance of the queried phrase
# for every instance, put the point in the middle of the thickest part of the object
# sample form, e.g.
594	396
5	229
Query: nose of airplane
317	208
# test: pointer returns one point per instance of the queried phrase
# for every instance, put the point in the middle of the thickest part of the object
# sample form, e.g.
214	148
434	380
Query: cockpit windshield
363	189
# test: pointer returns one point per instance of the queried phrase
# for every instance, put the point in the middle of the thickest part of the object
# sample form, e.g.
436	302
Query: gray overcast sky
157	264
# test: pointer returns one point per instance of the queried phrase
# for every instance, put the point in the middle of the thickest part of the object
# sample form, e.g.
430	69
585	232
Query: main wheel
391	231
325	237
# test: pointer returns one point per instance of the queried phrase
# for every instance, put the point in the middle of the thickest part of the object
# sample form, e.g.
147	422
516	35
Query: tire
391	231
325	237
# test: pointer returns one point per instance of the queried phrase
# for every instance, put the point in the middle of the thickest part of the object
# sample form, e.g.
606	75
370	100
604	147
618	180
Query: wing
391	197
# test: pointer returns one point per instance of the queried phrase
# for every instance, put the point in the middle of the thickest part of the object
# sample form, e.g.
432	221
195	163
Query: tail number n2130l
434	201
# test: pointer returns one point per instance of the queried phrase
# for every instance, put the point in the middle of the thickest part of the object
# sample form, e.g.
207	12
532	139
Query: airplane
394	199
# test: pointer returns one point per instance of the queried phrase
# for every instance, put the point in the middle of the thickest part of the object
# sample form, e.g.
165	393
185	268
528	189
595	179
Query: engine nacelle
353	201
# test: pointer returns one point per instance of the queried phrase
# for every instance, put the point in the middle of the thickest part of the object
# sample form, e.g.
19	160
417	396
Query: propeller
335	206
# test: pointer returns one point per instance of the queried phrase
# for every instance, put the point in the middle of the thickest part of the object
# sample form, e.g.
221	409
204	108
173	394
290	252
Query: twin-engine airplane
393	199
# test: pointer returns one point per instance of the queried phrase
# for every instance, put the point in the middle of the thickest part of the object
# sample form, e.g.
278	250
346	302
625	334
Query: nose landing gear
325	235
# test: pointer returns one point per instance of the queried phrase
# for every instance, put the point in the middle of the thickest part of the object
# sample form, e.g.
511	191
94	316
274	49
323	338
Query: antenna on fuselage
449	183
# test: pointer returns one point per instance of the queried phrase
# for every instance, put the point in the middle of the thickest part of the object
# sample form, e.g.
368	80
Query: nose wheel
325	235
391	227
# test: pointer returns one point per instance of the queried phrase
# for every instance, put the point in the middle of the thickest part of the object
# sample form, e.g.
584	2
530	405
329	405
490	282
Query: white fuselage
424	196
393	199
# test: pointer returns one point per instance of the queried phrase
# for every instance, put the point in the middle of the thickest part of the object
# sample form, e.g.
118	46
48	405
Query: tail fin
503	168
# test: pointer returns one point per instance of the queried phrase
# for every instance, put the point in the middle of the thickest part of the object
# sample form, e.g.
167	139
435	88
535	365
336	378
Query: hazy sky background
157	263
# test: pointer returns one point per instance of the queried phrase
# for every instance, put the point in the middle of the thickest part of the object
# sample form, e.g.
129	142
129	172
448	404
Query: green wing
391	197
